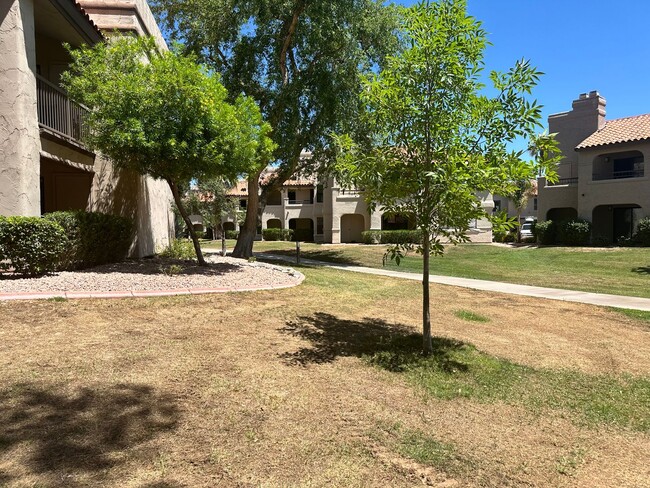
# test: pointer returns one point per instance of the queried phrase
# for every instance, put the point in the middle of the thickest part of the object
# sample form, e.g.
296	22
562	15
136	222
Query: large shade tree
439	140
161	114
301	60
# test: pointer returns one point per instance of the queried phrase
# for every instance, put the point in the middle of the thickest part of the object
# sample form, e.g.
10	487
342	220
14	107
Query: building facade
44	164
602	174
323	211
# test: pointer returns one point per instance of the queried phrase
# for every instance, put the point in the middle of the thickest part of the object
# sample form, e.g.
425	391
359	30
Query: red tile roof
628	129
85	14
241	188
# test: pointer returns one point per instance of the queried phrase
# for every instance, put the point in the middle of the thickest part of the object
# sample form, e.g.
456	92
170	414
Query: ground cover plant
280	388
619	271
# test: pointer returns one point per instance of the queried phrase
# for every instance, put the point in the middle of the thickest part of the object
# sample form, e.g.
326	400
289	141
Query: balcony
58	114
564	182
289	201
637	172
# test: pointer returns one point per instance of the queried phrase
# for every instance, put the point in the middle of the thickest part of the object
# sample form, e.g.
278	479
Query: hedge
30	246
277	234
95	238
574	232
232	234
545	232
391	237
642	234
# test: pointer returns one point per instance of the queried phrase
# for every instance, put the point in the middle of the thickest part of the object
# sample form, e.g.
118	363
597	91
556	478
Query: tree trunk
248	232
188	222
427	346
519	227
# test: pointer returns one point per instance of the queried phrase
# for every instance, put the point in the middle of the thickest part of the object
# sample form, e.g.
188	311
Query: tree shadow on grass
641	270
391	346
88	430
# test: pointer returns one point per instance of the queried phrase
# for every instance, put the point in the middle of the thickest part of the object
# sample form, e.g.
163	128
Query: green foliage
232	234
545	232
30	246
575	232
168	117
642	234
94	238
277	234
179	249
391	237
437	139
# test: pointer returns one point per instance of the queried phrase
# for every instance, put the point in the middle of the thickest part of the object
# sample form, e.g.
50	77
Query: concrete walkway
600	299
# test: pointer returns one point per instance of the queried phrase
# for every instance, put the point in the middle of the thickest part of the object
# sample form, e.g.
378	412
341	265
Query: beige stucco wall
19	136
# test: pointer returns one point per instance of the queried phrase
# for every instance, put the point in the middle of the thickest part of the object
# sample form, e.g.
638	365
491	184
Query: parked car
527	228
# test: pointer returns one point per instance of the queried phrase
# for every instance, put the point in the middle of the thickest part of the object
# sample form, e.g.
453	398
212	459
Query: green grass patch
470	316
458	370
619	271
641	315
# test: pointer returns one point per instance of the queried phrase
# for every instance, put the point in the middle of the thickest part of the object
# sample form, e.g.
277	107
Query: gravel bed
158	274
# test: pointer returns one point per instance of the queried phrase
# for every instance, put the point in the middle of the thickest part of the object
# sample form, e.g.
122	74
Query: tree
163	115
523	190
299	59
210	200
438	141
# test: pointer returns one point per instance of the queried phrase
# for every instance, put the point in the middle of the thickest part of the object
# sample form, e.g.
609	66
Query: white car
527	228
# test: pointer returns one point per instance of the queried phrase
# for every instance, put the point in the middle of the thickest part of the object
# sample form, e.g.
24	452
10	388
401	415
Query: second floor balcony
58	114
617	166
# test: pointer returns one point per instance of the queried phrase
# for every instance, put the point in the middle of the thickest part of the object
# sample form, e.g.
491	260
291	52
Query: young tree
163	115
439	141
300	60
210	200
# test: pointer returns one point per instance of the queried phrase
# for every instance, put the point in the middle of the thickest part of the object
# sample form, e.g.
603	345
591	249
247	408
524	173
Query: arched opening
352	225
274	224
303	229
390	221
560	214
228	226
614	166
615	223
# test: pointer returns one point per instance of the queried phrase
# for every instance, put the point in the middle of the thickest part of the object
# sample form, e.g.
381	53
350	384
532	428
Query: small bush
232	234
642	234
601	241
31	245
545	232
574	232
277	234
499	235
179	249
510	237
94	238
391	237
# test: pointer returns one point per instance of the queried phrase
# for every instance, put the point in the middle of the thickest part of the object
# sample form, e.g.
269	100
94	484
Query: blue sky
580	45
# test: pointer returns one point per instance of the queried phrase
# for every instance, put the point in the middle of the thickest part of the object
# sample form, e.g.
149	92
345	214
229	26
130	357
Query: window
319	225
319	193
292	196
497	206
535	203
242	203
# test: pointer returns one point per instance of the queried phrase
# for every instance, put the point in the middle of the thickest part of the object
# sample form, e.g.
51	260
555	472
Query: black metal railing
300	202
564	181
616	175
58	113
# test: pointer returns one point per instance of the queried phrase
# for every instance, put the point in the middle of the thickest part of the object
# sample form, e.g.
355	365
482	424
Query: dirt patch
201	391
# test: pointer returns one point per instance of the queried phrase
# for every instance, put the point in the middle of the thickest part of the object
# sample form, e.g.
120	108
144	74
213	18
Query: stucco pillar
19	135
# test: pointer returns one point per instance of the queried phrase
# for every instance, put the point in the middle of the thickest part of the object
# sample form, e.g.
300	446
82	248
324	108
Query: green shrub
31	245
574	232
510	237
601	241
232	234
391	237
499	235
545	232
642	234
94	238
277	234
179	249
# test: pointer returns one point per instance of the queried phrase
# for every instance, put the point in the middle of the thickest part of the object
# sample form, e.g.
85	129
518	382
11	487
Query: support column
19	136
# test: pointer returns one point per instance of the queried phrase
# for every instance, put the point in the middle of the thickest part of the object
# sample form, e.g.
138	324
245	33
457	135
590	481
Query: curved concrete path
600	299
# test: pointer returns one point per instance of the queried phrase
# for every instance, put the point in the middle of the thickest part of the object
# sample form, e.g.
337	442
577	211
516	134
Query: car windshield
527	226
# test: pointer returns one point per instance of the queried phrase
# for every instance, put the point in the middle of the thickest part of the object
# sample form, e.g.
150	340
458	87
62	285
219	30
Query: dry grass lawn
274	389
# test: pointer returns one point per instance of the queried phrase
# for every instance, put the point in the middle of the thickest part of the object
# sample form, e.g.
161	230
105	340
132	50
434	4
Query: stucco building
323	211
44	165
602	174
